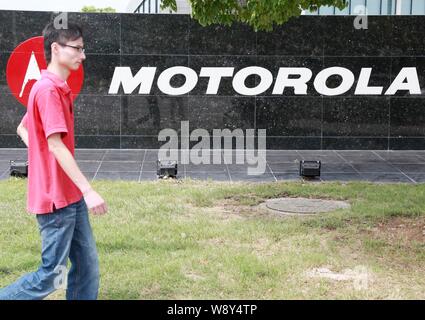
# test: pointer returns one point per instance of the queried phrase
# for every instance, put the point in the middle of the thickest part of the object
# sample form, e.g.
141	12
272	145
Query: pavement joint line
101	161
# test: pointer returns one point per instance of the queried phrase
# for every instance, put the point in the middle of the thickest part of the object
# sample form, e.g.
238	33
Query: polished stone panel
292	116
28	24
11	141
95	26
154	34
97	142
356	143
407	143
407	117
293	143
407	36
293	38
148	115
221	40
140	142
98	72
11	114
4	57
7	34
221	113
351	117
97	115
341	38
295	122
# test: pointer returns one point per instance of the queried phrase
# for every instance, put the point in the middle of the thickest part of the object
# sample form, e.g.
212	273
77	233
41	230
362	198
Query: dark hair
52	34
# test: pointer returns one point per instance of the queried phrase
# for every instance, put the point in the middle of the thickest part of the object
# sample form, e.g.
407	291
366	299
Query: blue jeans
65	233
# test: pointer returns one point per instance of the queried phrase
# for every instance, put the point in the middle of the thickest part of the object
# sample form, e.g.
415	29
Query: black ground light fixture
19	168
166	169
310	169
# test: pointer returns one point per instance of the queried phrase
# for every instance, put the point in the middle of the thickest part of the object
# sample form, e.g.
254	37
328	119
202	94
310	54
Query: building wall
292	121
153	6
375	7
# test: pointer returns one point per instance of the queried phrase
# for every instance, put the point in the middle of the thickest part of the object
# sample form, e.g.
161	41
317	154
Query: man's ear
54	47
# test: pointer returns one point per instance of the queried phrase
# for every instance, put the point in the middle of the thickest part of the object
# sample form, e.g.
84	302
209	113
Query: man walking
58	193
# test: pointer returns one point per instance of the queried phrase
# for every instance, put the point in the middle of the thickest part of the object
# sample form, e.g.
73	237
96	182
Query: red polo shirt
50	110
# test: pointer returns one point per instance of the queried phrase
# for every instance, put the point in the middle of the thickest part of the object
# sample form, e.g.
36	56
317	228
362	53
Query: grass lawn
208	240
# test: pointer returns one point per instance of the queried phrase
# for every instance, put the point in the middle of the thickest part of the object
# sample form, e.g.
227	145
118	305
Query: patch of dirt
261	247
153	290
399	229
356	274
228	210
194	276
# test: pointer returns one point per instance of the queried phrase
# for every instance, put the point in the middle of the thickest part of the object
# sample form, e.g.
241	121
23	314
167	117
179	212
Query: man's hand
94	202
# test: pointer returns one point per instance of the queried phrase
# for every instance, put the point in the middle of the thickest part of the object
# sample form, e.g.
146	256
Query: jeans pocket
53	219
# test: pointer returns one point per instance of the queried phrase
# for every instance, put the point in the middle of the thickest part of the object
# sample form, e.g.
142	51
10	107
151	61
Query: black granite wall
293	122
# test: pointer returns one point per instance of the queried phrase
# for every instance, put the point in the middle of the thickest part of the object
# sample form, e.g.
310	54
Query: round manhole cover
304	205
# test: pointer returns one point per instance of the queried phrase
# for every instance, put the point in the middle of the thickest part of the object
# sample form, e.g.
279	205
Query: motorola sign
26	61
296	78
24	68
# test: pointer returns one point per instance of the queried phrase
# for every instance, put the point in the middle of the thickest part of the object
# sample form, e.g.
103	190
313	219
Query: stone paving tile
134	176
136	156
374	167
219	176
411	168
341	177
239	176
88	166
343	165
287	176
87	154
385	177
118	166
417	177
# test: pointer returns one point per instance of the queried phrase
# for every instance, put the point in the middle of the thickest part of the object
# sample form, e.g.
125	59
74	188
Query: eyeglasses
80	50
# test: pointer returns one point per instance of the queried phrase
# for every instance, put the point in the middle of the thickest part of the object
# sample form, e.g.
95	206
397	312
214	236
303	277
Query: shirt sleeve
51	112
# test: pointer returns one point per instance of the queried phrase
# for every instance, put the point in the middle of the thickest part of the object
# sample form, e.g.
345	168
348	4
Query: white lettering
362	84
215	75
124	76
412	84
165	77
240	77
346	83
297	78
299	84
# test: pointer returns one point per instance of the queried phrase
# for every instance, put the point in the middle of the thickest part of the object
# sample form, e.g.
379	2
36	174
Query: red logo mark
24	68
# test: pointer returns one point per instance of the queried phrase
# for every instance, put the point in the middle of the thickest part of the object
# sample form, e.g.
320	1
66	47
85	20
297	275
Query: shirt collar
62	85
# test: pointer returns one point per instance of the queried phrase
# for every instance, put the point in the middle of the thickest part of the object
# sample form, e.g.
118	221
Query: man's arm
65	159
23	133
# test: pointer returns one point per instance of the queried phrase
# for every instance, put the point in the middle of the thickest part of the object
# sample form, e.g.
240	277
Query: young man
58	193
